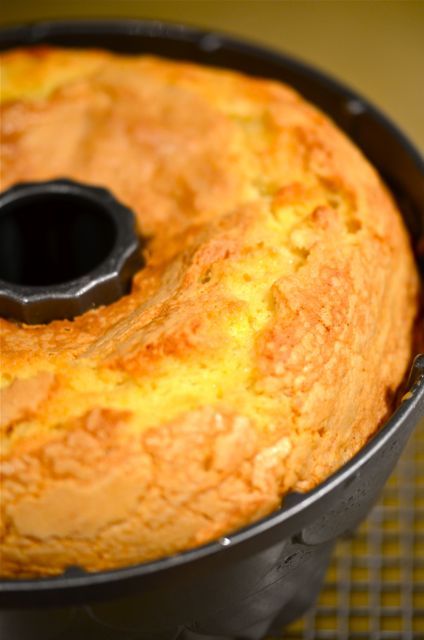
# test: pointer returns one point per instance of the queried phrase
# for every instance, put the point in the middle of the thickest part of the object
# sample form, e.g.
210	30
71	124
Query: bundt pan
258	579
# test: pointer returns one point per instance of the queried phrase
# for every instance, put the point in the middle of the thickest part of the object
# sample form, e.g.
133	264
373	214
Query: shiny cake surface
261	345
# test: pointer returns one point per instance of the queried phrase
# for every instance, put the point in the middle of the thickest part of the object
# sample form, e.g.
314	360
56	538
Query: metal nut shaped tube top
82	278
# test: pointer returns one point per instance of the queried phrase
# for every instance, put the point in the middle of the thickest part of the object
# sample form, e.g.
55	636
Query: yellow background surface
375	46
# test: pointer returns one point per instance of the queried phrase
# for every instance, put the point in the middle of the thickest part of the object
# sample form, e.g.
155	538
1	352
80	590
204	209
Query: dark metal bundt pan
258	579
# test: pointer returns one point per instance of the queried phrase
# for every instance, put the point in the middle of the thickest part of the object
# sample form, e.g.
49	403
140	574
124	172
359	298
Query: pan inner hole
52	238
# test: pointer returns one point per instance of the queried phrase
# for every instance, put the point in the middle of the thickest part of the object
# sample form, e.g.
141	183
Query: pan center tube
65	248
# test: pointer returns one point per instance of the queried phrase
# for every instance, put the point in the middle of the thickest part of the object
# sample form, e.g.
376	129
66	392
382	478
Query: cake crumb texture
260	347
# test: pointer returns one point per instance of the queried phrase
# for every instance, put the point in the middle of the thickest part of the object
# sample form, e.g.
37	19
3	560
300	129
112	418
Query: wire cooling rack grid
374	588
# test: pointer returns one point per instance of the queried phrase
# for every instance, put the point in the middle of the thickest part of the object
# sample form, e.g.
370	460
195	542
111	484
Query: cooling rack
374	588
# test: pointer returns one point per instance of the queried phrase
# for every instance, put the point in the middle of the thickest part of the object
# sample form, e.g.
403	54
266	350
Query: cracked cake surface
259	348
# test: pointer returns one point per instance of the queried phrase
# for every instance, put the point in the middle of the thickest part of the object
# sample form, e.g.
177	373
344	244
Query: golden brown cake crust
258	350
